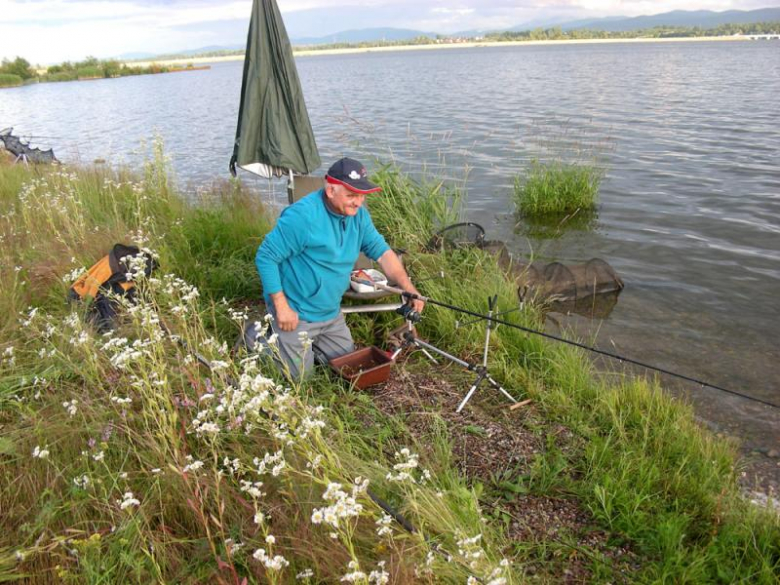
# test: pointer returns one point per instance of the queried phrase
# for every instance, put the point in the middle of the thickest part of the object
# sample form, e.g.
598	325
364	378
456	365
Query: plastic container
370	275
363	368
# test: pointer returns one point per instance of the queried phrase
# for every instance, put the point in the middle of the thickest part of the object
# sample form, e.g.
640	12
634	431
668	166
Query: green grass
10	80
646	474
557	188
408	211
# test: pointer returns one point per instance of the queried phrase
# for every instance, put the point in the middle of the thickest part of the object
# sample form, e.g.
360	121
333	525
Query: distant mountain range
690	18
693	18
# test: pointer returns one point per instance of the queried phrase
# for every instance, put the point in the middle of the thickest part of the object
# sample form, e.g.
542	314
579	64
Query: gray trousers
311	340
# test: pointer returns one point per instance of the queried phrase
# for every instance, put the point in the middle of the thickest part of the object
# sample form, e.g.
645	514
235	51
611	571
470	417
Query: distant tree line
19	71
15	72
663	31
92	68
421	40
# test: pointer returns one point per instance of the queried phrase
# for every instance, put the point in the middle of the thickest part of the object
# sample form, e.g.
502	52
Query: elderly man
306	260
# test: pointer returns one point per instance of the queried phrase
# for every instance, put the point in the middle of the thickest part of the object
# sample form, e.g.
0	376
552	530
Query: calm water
690	208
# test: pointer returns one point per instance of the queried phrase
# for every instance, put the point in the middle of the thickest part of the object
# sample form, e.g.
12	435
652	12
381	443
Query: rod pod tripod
411	339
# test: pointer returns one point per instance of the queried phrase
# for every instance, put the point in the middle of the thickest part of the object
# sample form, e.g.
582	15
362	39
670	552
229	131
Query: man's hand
286	317
418	305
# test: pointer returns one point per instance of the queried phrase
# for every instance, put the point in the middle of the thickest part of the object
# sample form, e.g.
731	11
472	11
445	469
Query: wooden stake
519	404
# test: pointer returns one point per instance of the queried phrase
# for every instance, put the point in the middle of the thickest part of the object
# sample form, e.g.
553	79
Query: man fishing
305	264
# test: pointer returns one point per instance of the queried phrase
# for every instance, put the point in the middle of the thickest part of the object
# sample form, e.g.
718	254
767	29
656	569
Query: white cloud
455	11
46	31
62	13
55	30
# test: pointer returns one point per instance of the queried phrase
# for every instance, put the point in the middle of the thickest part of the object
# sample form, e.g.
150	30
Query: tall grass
10	80
123	460
556	188
408	211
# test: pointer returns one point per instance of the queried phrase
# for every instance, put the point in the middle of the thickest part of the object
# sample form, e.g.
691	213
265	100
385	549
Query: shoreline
432	46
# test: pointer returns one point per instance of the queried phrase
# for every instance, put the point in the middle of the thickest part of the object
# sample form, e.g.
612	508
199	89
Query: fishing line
608	354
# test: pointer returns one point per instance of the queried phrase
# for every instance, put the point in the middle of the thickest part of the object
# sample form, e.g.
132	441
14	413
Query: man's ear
329	190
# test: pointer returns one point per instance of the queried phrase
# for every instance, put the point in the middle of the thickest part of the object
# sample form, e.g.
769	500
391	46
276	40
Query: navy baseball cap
352	175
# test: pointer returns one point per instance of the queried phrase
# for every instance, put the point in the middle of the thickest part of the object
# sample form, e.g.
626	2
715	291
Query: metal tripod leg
482	375
497	386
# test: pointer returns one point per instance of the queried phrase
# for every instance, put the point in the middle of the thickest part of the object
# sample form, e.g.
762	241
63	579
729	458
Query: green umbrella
273	135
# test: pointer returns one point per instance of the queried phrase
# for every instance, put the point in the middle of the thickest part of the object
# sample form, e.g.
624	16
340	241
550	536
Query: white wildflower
39	453
194	466
254	489
8	356
277	563
82	482
208	428
344	505
355	573
82	338
383	525
127	501
26	322
217	365
379	576
73	275
407	463
71	407
238	316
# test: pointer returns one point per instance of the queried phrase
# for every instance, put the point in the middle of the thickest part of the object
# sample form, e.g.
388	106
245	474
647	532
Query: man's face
343	201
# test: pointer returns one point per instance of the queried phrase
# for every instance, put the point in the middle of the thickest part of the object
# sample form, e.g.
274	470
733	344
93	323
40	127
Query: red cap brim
363	186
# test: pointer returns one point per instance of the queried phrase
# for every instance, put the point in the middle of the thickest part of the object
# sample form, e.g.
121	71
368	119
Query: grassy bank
10	80
20	72
123	460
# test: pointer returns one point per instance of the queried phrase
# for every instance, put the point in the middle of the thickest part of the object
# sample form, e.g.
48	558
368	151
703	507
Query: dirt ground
491	444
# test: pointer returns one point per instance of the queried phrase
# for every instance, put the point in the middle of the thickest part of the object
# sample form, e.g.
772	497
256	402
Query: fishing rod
492	319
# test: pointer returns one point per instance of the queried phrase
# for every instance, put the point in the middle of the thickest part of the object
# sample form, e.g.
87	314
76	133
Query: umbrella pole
290	188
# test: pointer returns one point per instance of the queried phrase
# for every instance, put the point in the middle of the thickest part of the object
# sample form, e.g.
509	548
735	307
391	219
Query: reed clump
10	80
557	188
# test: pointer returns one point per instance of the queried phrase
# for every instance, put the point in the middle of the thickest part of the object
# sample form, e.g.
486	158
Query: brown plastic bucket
363	368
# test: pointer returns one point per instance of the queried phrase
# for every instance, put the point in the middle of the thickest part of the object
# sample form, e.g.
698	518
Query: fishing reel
407	312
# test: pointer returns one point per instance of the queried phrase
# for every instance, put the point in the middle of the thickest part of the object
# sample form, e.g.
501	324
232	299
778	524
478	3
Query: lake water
689	210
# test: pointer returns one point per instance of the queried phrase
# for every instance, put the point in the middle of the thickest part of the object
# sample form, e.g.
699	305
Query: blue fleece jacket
310	253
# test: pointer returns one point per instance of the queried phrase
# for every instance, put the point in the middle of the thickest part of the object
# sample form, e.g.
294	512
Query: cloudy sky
51	31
